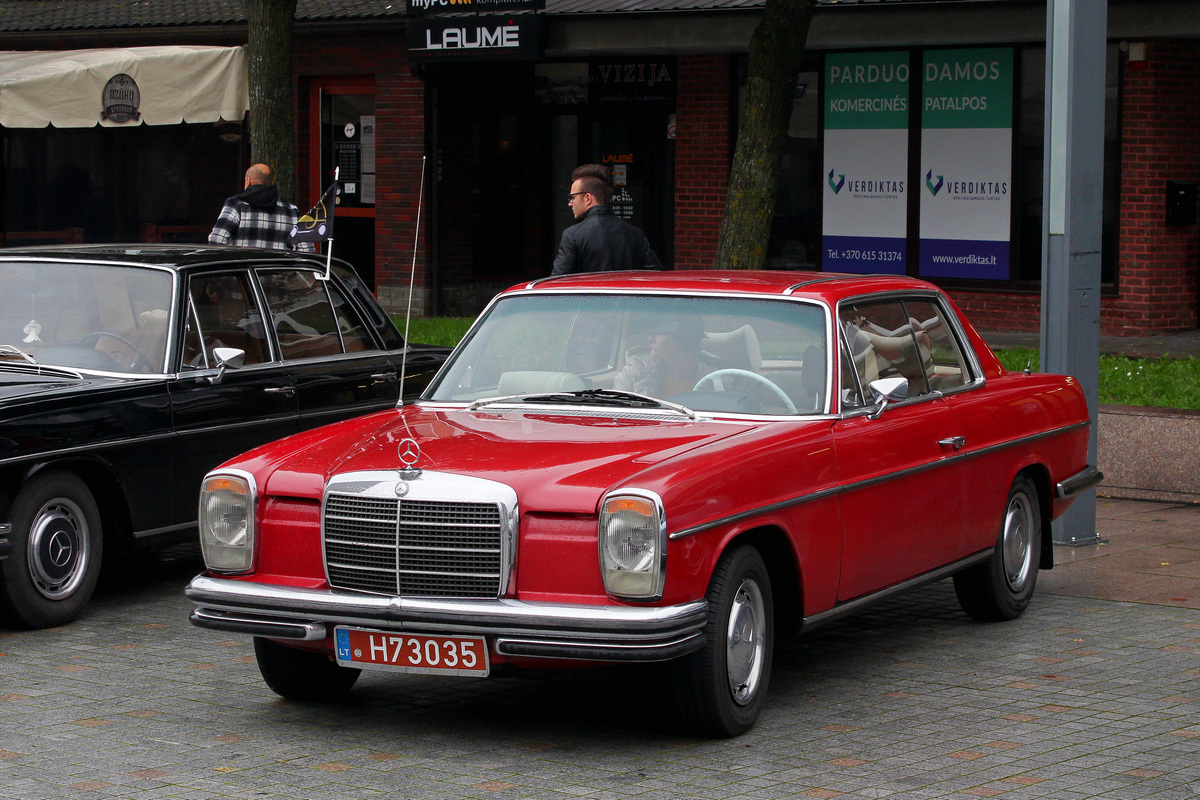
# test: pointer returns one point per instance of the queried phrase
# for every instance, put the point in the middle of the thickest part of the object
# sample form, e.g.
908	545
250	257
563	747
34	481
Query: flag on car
317	224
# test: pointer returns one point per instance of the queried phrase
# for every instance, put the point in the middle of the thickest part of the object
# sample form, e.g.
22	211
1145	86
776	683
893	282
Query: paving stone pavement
1080	698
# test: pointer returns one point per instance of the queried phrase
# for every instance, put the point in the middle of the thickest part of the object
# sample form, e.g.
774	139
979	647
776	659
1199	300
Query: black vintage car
129	371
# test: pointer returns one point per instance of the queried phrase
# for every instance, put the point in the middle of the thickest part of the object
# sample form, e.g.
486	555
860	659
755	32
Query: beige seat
738	348
533	381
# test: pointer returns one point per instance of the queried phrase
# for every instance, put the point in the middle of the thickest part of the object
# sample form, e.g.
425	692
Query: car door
902	504
338	367
219	413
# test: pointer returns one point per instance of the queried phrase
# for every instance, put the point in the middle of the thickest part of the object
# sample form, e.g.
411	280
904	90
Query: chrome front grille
415	546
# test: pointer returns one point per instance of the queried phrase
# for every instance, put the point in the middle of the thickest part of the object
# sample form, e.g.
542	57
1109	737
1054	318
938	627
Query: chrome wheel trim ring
1017	544
59	549
745	645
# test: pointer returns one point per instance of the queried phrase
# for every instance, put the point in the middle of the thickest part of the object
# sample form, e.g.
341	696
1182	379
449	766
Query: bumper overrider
513	627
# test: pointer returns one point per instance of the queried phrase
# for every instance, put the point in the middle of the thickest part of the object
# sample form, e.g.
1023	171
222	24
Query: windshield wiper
9	351
605	397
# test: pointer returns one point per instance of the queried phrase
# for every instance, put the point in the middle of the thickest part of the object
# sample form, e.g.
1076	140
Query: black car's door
219	413
337	365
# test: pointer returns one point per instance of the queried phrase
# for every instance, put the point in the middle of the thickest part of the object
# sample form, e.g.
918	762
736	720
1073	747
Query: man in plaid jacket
257	217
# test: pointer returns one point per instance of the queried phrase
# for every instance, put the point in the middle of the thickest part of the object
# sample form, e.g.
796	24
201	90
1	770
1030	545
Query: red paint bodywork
727	477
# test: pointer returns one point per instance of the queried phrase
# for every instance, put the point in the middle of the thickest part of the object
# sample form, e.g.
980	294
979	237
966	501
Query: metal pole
1073	181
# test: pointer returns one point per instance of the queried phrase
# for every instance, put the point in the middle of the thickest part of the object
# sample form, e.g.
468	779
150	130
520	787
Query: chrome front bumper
514	627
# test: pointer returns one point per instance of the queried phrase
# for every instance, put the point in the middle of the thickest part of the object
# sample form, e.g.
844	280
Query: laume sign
474	38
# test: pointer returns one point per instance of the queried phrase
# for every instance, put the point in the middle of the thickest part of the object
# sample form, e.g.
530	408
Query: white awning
170	84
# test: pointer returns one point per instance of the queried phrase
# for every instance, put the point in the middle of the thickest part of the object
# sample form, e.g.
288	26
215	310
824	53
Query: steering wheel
141	363
718	383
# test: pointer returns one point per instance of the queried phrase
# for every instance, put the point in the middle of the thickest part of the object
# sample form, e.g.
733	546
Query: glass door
342	131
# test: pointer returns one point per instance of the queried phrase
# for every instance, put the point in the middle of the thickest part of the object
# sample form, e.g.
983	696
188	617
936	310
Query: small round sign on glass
121	99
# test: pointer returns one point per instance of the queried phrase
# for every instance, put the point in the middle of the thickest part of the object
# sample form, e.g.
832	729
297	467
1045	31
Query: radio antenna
412	274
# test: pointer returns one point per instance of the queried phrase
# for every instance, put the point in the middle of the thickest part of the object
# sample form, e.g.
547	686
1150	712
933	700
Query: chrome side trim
89	448
1033	437
1079	482
247	602
850	487
795	501
859	603
182	526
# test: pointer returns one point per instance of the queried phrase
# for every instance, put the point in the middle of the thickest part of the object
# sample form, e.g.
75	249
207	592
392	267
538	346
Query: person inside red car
671	363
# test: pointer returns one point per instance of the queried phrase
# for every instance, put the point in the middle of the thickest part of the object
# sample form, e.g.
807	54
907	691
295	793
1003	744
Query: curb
1149	453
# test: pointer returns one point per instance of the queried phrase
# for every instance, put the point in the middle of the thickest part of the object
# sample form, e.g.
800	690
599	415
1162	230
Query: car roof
171	256
826	286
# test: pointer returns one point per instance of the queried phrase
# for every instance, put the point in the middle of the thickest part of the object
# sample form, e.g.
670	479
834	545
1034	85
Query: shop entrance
636	148
342	133
505	139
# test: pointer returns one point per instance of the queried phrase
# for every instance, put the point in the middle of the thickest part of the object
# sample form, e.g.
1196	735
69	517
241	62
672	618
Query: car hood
554	462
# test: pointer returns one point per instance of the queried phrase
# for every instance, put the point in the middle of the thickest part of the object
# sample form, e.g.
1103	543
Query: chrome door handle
287	391
957	442
384	377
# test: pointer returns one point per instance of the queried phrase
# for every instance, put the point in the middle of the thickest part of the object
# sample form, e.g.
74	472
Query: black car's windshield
86	316
716	354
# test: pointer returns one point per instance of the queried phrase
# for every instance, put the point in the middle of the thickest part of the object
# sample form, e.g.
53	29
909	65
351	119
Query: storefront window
1012	247
1027	222
141	183
796	230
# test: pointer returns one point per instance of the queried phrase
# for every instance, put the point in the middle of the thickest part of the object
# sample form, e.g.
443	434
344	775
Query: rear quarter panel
1014	422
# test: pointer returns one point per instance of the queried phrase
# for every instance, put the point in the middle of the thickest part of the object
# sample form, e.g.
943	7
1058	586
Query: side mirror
226	358
885	391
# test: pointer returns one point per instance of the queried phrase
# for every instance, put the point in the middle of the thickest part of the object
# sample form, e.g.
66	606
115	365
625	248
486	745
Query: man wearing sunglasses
600	241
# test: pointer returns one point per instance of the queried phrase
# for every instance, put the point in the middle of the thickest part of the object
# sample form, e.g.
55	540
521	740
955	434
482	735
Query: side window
222	312
851	390
946	367
905	338
310	317
355	337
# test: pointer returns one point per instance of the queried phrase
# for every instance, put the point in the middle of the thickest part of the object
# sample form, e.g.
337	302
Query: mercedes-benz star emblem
61	549
410	453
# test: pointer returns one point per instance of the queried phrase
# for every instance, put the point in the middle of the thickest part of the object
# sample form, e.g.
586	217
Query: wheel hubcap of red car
744	645
1018	550
58	549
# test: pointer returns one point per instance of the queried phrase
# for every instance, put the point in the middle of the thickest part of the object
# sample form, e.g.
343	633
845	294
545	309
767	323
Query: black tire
719	689
57	543
1000	588
302	674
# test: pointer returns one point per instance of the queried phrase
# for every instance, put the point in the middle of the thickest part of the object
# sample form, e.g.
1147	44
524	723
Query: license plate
408	652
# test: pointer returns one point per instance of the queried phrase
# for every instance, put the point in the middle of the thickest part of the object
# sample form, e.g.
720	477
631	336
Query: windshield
706	353
85	316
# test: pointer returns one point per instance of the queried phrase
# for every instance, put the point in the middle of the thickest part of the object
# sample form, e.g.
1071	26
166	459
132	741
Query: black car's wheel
719	690
57	545
301	674
1001	587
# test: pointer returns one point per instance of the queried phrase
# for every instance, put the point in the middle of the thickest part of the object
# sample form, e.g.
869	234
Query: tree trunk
272	116
776	50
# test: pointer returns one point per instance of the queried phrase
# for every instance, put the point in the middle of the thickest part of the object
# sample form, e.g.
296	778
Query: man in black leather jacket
600	241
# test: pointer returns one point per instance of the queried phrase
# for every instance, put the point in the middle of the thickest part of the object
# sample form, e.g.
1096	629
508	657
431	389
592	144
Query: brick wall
1159	265
399	150
702	152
